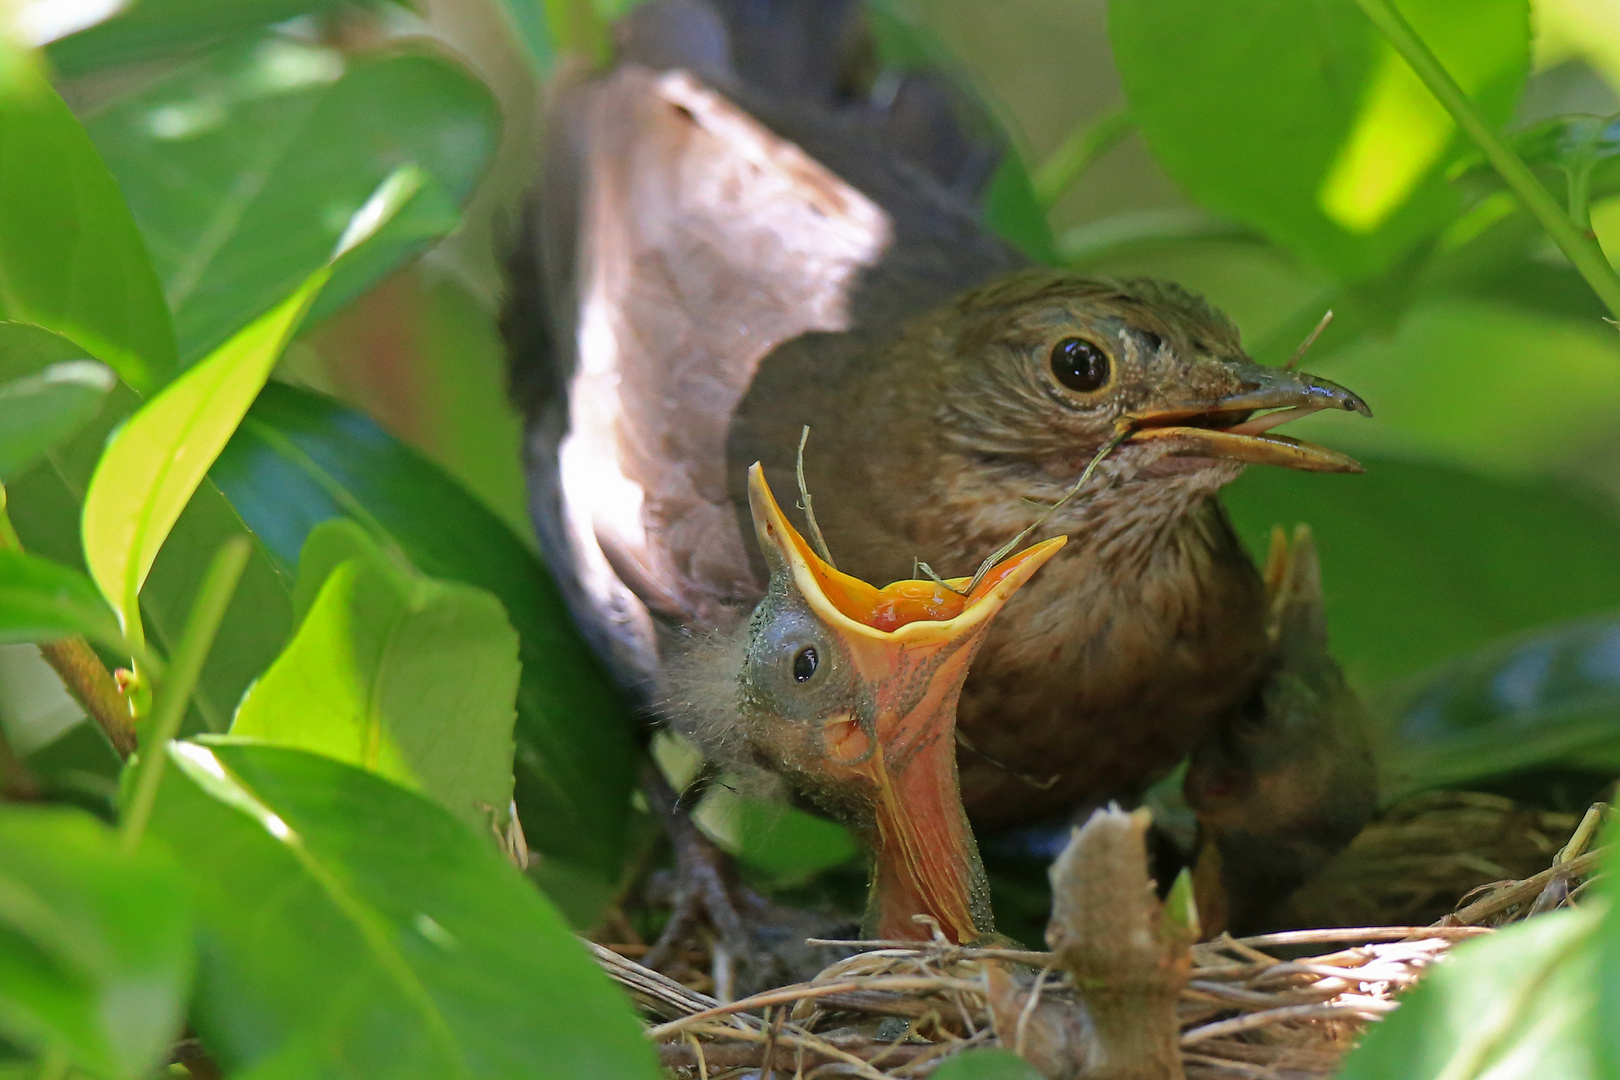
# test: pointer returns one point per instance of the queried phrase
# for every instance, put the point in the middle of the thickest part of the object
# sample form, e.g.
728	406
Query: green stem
169	707
1581	248
1076	153
80	669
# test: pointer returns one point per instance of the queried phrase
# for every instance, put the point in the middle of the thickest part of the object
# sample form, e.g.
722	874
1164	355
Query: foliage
209	213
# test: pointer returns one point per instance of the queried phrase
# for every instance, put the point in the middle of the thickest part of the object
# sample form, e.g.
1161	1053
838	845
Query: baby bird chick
849	692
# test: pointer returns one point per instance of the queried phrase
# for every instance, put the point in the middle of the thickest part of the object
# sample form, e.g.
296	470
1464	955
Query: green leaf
352	928
26	349
146	29
986	1065
1574	143
409	677
39	411
95	945
1012	210
244	166
328	546
41	601
528	23
1422	561
156	461
1607	1024
71	258
780	841
46	504
1547	698
1518	1005
300	459
1299	119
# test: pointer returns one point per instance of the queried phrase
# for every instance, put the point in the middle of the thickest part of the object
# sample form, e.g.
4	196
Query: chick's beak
911	643
1227	427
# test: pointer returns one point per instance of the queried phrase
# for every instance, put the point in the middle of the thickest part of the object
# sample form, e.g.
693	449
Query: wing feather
702	241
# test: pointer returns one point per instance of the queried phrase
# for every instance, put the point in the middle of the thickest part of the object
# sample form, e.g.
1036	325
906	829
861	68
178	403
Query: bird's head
851	691
1046	367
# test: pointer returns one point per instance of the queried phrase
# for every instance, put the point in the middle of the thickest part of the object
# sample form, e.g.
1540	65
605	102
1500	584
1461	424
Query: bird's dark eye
804	664
1079	365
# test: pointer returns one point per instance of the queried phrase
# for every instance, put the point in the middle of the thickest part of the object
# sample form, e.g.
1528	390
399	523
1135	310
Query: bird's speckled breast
1105	670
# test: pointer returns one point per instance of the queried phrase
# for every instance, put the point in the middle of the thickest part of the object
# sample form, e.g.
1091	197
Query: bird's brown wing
679	242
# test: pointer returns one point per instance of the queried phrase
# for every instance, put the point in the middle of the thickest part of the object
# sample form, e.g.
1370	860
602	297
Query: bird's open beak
1228	427
911	643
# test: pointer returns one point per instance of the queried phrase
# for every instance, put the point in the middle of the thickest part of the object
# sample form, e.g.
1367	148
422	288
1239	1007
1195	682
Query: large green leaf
353	928
156	461
71	258
41	601
1299	119
1422	561
1518	1005
409	677
1547	698
245	166
46	504
95	944
39	411
26	349
299	459
152	28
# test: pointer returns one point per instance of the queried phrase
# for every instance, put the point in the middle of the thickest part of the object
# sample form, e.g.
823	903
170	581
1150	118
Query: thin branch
1310	339
93	687
80	669
1077	153
816	539
169	707
1580	247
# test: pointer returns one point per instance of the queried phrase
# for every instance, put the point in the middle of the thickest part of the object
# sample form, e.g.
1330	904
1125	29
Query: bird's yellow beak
911	643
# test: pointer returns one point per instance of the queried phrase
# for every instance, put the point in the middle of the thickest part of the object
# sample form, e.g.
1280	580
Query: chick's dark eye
804	664
1079	365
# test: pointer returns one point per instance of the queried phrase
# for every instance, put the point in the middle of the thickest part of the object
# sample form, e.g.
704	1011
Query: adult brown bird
850	691
734	239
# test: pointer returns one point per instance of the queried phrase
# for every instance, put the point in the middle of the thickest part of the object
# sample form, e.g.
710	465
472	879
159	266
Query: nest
1240	1007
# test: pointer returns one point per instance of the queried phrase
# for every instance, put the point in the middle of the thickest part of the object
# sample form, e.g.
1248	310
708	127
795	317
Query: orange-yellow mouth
917	610
910	644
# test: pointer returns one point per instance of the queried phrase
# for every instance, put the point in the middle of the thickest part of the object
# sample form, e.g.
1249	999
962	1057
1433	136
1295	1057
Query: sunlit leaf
46	506
1422	561
1518	1005
155	461
244	166
41	601
411	678
145	29
39	411
71	259
352	928
1299	119
300	459
95	944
